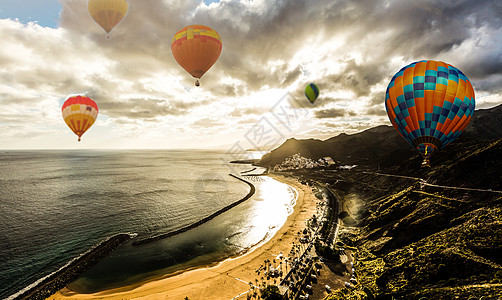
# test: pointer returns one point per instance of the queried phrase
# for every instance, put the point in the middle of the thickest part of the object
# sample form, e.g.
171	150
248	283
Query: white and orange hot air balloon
108	13
79	113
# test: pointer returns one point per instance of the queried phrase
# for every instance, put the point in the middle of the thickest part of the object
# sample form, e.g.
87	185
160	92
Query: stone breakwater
52	283
202	221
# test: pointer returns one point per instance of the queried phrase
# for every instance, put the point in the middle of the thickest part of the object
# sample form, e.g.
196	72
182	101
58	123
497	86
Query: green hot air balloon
312	92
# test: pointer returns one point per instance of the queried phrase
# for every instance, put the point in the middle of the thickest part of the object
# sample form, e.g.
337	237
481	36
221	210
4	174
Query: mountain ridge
415	232
380	145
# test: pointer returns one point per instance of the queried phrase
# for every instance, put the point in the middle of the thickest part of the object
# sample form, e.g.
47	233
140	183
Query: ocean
57	204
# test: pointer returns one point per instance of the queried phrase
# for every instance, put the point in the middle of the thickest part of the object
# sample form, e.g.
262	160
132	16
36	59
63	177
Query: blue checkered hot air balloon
429	103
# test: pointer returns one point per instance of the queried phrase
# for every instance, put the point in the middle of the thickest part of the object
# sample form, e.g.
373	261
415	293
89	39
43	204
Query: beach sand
227	280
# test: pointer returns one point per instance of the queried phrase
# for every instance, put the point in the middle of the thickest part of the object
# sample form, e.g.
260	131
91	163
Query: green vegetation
327	252
318	195
432	243
271	292
411	239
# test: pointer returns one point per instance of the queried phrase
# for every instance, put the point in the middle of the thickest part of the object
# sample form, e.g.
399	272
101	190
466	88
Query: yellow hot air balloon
107	13
196	48
79	113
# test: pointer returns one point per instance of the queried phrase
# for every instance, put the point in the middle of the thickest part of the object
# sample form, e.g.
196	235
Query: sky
253	95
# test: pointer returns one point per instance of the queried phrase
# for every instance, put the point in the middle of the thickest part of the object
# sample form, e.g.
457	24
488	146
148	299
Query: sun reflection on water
272	204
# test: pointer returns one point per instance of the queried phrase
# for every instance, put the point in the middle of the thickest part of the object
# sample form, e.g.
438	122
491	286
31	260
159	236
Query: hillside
374	145
485	124
418	232
380	146
412	240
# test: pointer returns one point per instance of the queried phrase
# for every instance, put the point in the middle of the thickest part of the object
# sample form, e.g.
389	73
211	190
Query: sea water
56	205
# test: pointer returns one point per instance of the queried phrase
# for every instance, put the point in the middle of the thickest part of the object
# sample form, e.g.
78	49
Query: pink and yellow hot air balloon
196	48
79	113
107	13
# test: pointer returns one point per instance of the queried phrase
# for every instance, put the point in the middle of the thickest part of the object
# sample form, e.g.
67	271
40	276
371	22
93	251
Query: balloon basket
426	163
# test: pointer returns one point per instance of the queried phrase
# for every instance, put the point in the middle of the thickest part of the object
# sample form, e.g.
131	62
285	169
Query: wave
291	205
48	285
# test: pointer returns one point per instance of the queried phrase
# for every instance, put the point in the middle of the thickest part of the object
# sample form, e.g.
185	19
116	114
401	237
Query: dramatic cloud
333	113
271	48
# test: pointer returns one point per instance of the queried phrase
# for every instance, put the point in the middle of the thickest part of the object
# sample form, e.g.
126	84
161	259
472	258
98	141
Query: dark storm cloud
420	30
256	34
489	84
141	43
417	30
333	113
148	108
378	110
251	37
348	127
428	29
141	108
376	105
358	78
292	76
377	99
261	42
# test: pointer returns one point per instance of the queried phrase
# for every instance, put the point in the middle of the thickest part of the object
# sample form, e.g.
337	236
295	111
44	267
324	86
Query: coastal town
316	262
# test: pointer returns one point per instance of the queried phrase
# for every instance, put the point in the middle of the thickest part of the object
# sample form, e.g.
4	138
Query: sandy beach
227	280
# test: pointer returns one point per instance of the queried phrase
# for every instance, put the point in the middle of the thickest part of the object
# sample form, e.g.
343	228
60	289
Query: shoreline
53	282
225	279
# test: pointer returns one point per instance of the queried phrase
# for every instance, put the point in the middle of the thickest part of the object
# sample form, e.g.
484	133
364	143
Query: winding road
424	182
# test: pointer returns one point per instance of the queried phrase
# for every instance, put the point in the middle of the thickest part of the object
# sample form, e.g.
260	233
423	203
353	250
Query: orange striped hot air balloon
196	48
429	103
107	13
79	113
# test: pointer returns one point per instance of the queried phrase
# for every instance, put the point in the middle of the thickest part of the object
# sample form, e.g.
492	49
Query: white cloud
350	49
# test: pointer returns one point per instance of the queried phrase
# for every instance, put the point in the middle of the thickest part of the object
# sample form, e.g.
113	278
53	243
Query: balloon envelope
79	113
196	48
107	13
312	92
429	103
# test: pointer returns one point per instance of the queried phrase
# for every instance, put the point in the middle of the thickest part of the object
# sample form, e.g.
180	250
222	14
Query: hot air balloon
196	48
429	103
312	92
107	13
79	113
